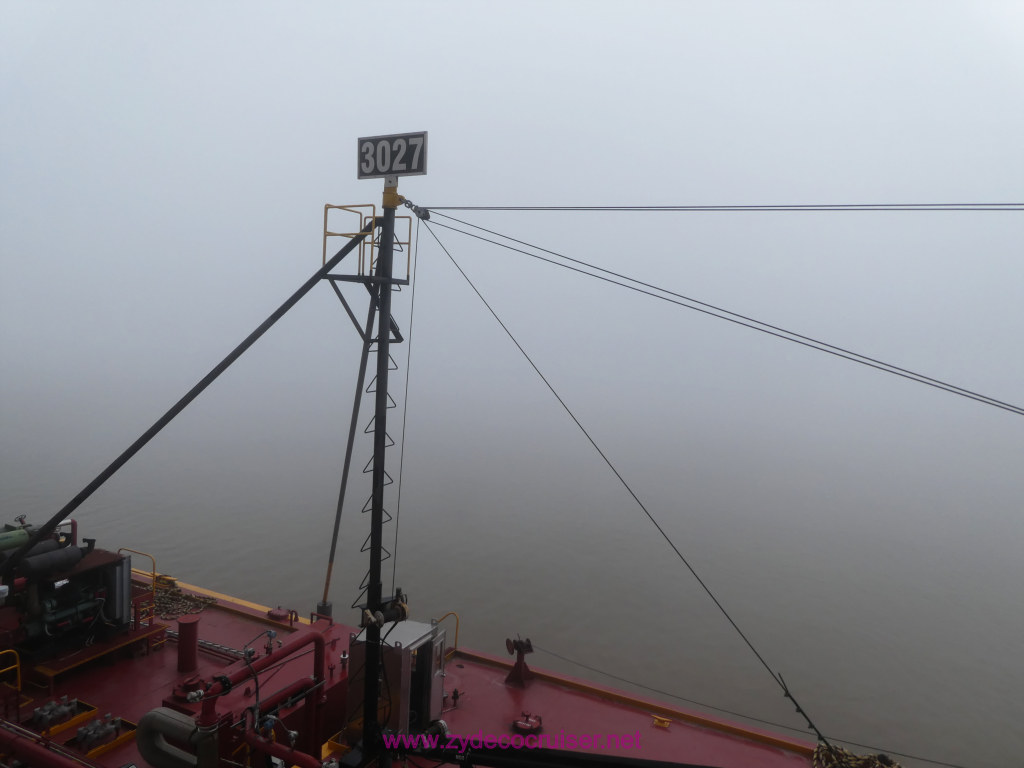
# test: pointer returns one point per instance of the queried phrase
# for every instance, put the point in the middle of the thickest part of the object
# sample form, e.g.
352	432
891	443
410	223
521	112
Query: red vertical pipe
188	643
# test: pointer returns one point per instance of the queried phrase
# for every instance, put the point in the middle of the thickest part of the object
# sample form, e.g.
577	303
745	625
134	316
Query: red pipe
35	753
276	749
285	693
296	688
208	715
188	643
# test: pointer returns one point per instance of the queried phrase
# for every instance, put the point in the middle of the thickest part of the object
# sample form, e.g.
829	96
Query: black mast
381	293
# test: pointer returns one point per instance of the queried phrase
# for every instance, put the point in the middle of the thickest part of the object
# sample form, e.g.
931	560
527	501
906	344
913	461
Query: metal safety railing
16	666
366	214
12	701
144	614
455	645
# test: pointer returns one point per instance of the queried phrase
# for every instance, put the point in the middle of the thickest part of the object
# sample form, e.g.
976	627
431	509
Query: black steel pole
7	569
371	695
324	606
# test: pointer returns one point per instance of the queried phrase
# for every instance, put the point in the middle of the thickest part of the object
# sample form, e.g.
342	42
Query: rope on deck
832	756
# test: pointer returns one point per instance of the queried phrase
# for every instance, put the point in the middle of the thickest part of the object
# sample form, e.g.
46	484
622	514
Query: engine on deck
62	595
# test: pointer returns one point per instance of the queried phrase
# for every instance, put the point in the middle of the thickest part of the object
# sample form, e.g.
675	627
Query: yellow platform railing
16	666
9	702
365	214
455	646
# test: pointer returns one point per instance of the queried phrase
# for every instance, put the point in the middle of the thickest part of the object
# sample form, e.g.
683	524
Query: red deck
140	677
576	708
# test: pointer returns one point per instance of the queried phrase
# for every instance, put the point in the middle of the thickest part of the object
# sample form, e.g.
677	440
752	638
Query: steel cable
776	677
742	320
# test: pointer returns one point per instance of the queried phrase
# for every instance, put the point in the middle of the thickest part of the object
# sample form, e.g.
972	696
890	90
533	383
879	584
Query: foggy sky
163	171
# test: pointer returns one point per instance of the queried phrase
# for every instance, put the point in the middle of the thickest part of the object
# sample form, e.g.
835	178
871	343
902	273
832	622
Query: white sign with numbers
399	154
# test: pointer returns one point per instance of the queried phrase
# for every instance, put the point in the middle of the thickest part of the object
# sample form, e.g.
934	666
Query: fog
163	172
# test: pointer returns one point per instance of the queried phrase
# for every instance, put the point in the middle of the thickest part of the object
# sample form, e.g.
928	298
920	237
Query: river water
868	545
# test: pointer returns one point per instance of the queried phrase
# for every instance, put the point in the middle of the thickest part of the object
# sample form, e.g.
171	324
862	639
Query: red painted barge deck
142	674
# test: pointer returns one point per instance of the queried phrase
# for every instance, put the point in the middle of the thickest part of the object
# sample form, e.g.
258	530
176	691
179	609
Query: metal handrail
455	646
363	220
152	583
16	665
367	258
